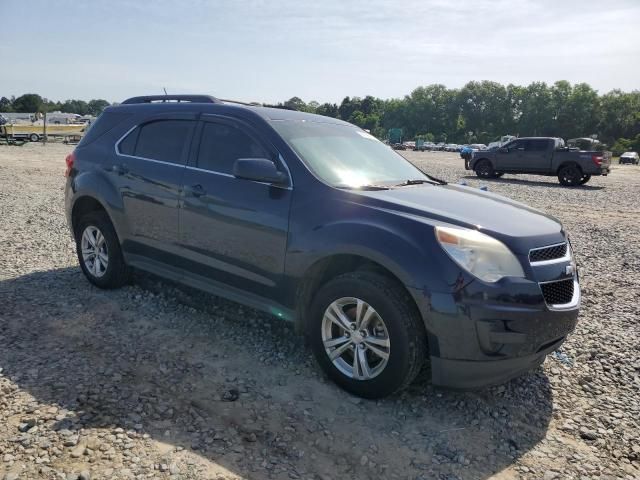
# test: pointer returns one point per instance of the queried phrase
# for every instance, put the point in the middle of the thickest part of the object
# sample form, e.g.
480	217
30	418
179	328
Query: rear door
234	231
536	155
149	164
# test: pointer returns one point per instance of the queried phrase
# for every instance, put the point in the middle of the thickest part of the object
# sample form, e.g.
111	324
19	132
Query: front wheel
570	175
484	169
366	334
34	137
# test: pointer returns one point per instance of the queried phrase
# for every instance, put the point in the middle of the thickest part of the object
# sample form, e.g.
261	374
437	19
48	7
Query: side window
517	145
221	145
536	145
163	140
128	144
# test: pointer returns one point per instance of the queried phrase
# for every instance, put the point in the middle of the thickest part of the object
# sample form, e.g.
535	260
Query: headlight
479	254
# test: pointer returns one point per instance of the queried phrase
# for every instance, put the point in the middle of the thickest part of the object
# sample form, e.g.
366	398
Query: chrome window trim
565	258
575	299
222	174
120	154
214	172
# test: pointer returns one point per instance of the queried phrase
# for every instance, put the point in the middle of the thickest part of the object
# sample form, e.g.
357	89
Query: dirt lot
154	381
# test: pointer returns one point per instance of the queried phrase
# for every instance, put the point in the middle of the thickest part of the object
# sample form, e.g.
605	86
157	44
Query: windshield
345	156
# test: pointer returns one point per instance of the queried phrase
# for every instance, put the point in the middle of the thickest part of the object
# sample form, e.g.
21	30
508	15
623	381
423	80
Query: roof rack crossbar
171	98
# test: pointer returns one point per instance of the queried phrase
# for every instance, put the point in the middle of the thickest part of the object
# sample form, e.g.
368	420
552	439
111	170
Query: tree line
482	112
479	112
34	103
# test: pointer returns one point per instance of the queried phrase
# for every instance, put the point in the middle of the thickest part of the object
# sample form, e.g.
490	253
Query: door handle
196	190
120	169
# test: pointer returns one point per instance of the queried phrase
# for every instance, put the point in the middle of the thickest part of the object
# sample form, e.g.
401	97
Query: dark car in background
541	156
313	220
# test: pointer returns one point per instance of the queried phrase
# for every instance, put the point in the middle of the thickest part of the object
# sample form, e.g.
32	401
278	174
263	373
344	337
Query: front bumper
466	374
483	336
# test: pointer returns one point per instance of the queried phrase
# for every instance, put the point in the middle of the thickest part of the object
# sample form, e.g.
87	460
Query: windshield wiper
413	182
363	187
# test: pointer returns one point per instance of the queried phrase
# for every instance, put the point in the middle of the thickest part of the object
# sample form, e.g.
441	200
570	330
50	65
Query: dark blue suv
314	220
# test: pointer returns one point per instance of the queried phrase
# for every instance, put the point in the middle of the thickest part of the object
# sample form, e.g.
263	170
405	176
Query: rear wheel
585	179
484	169
34	137
570	175
366	334
99	251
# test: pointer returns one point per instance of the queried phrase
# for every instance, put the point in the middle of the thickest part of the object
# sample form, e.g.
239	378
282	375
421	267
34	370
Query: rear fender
95	184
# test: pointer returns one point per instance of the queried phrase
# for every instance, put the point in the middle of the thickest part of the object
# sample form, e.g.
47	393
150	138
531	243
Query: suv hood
512	222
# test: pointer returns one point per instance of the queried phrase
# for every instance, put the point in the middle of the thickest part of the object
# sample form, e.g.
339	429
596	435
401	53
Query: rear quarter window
105	122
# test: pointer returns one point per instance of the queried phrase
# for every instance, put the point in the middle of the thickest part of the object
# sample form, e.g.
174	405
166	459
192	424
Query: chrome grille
552	252
558	293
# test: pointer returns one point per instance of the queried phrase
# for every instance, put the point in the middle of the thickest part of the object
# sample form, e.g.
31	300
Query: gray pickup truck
541	156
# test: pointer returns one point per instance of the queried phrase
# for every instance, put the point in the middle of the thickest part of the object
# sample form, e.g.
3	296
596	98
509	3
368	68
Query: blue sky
322	50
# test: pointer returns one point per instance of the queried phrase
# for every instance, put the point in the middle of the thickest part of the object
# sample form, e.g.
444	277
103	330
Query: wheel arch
475	161
331	266
567	163
85	204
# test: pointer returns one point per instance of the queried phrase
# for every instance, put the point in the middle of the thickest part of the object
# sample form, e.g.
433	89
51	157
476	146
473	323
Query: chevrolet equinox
312	219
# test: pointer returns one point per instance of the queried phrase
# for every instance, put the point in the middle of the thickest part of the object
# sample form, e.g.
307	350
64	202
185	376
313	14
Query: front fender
475	160
405	247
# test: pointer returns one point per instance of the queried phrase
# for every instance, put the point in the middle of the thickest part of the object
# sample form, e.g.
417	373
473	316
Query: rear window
162	140
106	121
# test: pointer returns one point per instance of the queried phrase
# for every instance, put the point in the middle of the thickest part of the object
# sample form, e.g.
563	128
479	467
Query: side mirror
503	150
258	170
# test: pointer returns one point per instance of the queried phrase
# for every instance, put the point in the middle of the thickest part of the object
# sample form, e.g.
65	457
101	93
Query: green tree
328	110
75	106
6	105
28	103
295	103
96	106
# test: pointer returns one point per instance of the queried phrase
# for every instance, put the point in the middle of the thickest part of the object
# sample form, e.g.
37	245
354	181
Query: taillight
597	159
69	161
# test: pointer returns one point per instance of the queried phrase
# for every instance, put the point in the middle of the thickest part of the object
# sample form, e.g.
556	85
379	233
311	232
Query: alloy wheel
355	338
94	251
571	176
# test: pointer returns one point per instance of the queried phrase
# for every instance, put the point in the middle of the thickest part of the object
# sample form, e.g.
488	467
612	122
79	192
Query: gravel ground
159	381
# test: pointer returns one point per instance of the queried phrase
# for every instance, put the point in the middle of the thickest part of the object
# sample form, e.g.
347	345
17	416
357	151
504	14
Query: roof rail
248	104
171	98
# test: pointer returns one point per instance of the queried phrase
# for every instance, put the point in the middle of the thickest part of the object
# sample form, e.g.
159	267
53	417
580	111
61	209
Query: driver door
233	231
509	157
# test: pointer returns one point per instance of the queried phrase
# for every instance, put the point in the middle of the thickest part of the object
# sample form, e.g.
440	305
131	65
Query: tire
484	169
34	137
393	322
95	233
498	175
585	179
570	175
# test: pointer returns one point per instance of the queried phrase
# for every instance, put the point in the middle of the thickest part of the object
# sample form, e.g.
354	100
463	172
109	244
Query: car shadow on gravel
541	183
232	388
